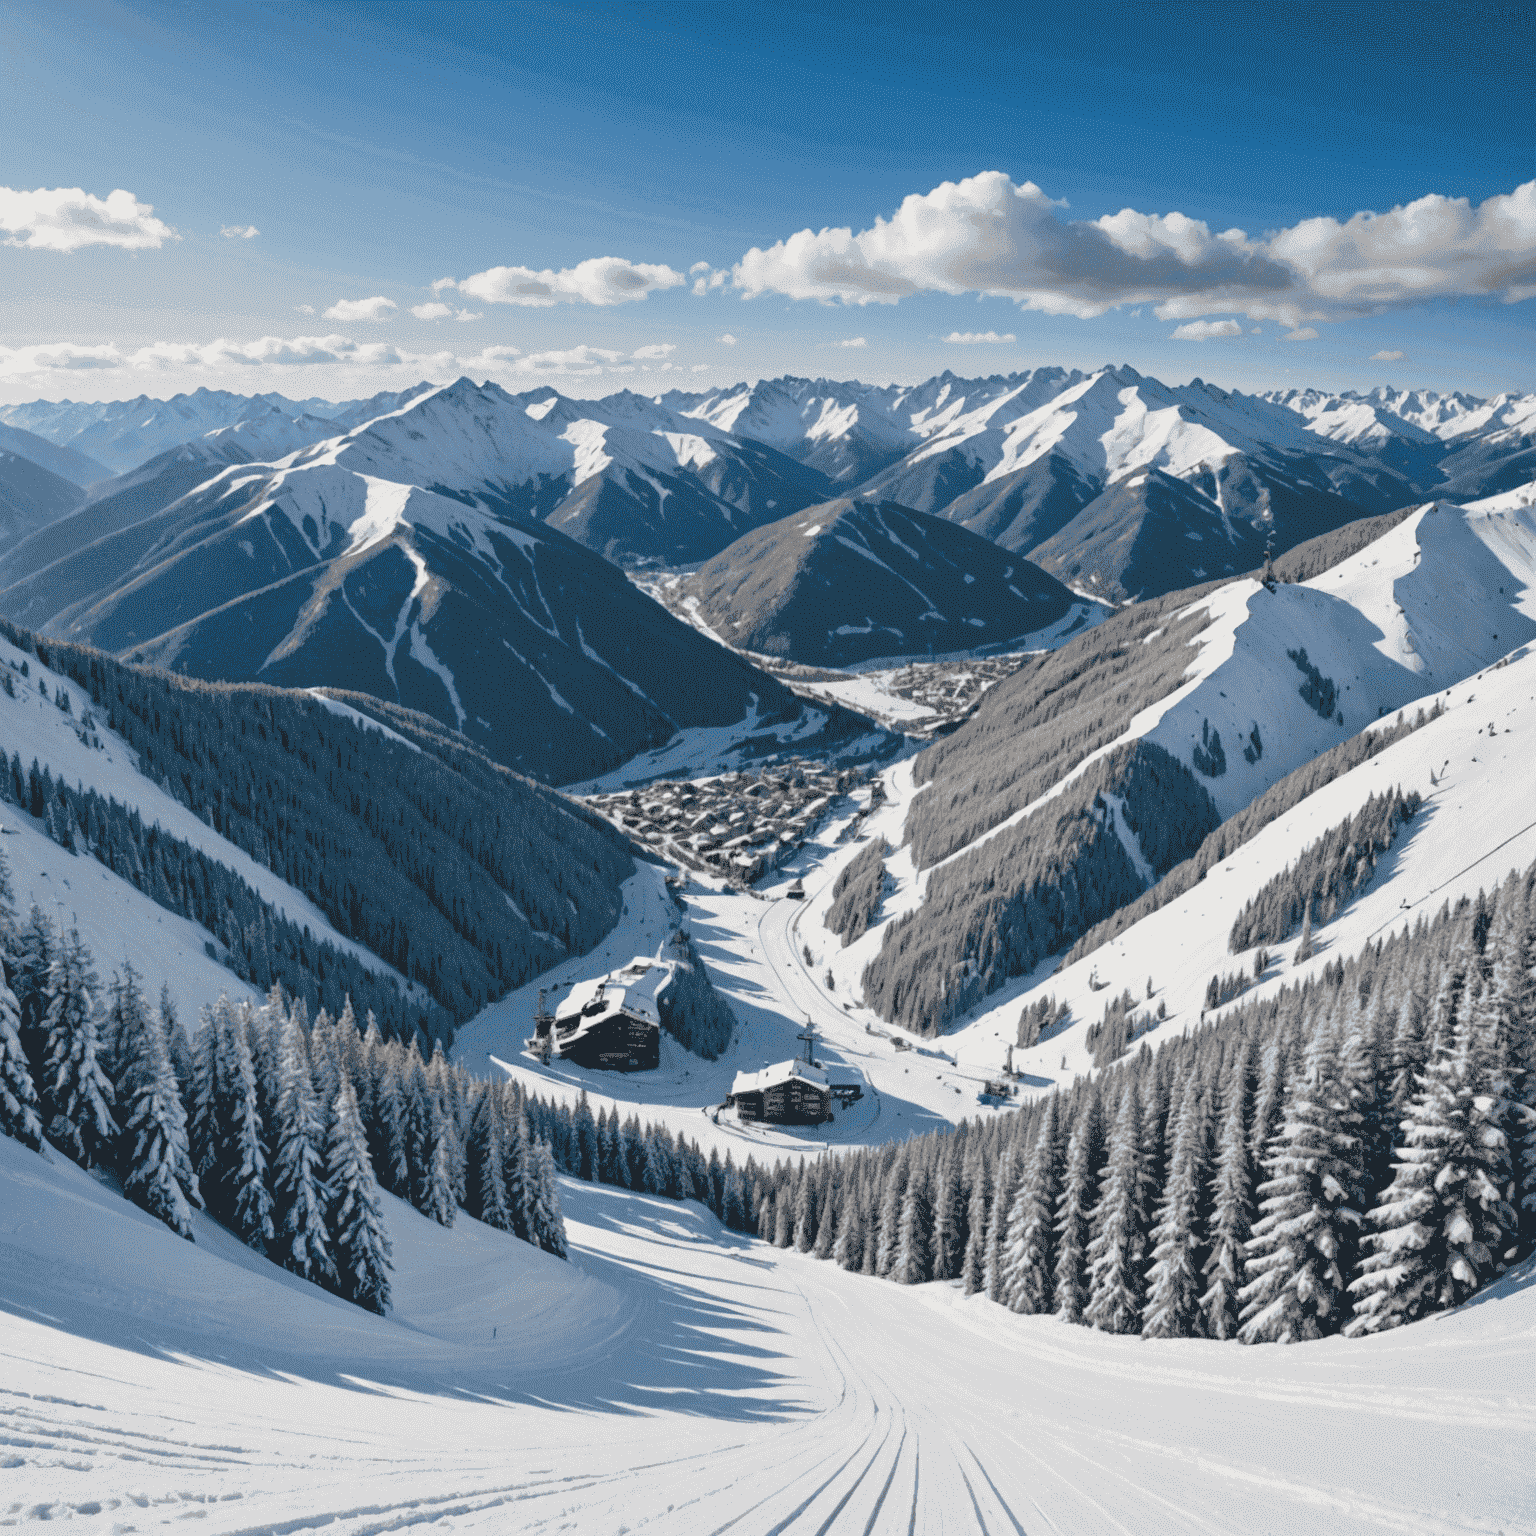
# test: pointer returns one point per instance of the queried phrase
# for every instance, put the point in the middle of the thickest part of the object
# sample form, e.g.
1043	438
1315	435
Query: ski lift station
612	1023
788	1093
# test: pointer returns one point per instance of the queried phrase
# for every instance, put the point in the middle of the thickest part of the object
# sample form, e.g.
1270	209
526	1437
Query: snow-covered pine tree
1117	1248
891	1206
19	1110
1441	1228
1004	1187
1231	1218
177	1046
29	963
912	1263
804	1235
124	1020
973	1266
1299	1255
249	1200
495	1209
153	1159
440	1204
1069	1278
826	1221
359	1243
516	1151
1028	1254
949	1217
301	1195
1173	1280
546	1226
77	1095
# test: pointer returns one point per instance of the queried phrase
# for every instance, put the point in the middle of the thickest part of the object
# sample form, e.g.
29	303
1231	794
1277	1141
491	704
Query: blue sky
378	149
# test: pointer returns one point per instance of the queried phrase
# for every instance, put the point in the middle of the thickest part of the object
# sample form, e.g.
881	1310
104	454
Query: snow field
678	1378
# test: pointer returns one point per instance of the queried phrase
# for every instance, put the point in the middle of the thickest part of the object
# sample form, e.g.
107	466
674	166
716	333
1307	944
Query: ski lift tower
543	1031
808	1034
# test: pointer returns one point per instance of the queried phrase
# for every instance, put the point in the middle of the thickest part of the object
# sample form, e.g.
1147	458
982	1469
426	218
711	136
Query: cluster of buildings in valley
740	825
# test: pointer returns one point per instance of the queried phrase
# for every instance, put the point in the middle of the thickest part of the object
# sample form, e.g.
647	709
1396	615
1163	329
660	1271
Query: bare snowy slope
679	1378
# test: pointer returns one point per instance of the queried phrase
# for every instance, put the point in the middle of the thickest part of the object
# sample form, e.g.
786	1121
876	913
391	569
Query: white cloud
988	235
239	231
1258	330
325	351
1386	357
851	341
698	267
348	310
465	315
440	283
979	338
1305	333
1206	330
699	368
727	340
602	280
304	309
433	311
68	219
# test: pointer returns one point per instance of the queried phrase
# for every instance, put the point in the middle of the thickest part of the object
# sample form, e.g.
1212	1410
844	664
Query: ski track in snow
675	1377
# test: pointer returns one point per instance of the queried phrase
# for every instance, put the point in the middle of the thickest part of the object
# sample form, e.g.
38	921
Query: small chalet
796	892
612	1023
789	1093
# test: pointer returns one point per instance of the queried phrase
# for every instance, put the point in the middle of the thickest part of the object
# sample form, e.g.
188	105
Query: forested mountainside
1235	686
846	581
535	648
458	874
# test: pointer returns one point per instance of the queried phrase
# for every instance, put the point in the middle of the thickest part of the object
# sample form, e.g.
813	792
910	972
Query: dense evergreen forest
463	876
281	1128
857	893
1347	1156
999	908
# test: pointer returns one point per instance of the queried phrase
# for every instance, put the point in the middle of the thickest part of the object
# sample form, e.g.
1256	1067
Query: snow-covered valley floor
676	1377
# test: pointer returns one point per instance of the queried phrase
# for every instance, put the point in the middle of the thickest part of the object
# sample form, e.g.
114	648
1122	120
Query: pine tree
29	963
1299	1255
1004	1187
1173	1281
1070	1276
1231	1218
546	1226
949	1218
1441	1228
1118	1246
973	1267
804	1236
359	1244
244	1160
912	1263
301	1196
1028	1254
19	1110
154	1159
77	1096
440	1204
891	1206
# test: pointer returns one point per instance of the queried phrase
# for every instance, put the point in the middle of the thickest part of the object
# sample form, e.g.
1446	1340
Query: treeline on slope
1350	1155
460	874
281	1130
1330	549
998	909
1034	728
261	945
689	1008
1327	873
1248	823
857	892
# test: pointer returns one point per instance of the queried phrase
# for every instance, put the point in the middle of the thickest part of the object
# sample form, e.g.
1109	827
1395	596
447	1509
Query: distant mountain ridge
848	581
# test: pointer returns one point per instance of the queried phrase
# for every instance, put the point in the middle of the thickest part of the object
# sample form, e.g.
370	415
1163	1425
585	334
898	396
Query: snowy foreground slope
676	1377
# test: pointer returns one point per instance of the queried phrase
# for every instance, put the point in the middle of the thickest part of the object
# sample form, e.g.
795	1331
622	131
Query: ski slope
675	1377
